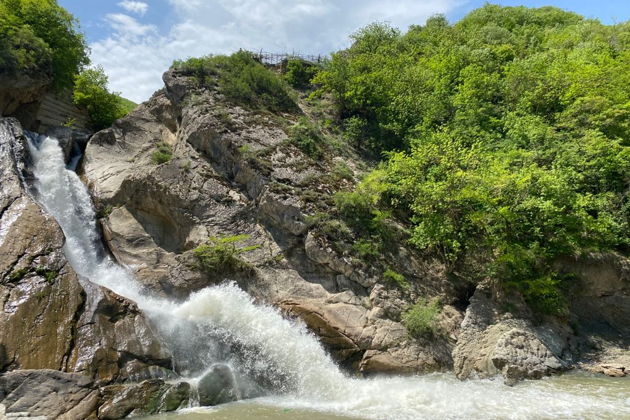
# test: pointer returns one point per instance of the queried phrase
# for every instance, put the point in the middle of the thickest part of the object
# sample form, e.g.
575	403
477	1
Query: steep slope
234	171
52	321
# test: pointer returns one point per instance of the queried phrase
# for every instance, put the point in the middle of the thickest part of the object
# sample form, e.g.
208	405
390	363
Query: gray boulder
218	386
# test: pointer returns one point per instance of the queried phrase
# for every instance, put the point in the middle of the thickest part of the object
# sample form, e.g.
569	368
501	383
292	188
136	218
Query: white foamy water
221	324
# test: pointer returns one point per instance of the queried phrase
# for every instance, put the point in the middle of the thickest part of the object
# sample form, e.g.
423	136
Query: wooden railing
277	58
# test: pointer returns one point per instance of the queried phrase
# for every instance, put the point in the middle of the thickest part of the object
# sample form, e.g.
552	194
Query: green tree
506	139
40	35
91	93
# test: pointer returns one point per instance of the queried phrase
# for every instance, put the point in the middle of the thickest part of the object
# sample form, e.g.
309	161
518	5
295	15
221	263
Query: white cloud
138	7
135	55
126	26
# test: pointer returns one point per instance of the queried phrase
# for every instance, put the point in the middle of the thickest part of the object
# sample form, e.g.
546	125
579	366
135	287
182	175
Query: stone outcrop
495	341
49	393
234	171
50	318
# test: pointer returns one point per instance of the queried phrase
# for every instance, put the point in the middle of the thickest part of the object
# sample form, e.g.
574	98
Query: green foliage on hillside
221	255
38	37
299	73
163	154
127	105
91	92
507	137
242	79
421	318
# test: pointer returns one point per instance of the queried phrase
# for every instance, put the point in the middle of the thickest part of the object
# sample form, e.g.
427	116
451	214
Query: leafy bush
90	92
163	153
221	255
299	73
39	36
308	138
242	79
342	171
392	277
421	318
506	139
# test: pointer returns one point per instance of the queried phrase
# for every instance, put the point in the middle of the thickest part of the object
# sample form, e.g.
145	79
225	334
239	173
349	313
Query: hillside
449	199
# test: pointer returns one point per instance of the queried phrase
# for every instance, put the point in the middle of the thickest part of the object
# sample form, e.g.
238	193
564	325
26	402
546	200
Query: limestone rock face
17	90
48	393
51	319
493	341
233	171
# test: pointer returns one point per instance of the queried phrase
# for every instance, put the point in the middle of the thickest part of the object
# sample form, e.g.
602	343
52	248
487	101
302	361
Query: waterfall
297	372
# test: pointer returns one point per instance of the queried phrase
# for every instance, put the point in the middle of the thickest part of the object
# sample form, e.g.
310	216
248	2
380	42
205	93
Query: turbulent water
278	360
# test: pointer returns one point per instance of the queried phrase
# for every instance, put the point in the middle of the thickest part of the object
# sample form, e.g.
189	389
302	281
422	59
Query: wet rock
114	342
71	140
328	328
48	393
148	397
217	386
51	319
39	292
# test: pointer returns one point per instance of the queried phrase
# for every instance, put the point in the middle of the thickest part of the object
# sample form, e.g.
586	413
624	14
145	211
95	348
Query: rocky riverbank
70	349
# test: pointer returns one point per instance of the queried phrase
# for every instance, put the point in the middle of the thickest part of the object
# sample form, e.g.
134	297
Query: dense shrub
91	93
421	318
242	79
507	139
163	153
221	255
299	73
39	36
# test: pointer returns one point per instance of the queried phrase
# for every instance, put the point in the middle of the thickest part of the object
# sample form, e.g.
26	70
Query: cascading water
297	371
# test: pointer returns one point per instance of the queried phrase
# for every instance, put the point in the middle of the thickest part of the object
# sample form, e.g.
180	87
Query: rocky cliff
188	172
234	171
52	321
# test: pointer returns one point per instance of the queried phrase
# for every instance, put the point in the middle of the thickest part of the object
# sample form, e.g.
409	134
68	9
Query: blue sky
136	40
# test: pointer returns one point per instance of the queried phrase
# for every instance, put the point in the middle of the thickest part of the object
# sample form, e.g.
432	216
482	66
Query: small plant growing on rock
421	318
308	138
392	277
18	275
163	154
222	254
49	275
368	249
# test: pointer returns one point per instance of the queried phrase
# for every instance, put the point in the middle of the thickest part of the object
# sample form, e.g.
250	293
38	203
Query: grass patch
392	277
163	154
222	254
308	138
342	171
421	318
